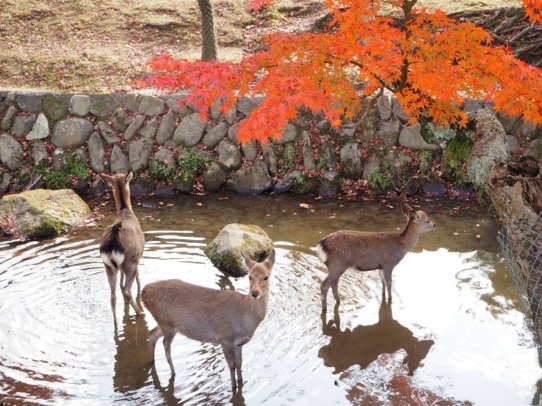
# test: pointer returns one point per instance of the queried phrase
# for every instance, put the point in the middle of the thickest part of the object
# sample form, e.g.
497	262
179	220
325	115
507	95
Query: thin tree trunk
209	46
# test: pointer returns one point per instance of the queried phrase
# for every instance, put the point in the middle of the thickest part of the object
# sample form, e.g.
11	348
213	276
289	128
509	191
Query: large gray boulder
214	177
71	133
253	180
11	152
40	130
225	250
119	161
190	130
139	154
134	127
229	155
166	128
41	212
351	161
79	105
96	152
151	106
411	137
215	135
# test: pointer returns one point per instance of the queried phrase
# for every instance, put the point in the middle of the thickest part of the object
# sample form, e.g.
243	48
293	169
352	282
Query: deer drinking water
366	251
122	242
223	317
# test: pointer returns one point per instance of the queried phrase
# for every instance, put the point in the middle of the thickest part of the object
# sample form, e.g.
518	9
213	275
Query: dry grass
102	46
99	46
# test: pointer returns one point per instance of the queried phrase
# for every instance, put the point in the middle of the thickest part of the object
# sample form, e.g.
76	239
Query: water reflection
132	365
58	345
364	344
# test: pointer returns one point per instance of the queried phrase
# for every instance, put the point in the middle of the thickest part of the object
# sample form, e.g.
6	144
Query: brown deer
122	242
223	317
366	251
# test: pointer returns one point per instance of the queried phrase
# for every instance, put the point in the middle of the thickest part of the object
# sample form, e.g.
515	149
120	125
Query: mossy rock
184	183
306	186
55	109
225	250
41	212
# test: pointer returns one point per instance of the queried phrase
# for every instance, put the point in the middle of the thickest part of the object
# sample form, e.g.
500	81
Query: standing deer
122	242
366	251
223	317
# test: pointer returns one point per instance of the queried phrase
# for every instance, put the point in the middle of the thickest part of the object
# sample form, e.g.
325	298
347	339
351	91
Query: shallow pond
454	333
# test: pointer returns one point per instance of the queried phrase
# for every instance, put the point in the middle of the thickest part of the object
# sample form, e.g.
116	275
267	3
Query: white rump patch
321	253
114	256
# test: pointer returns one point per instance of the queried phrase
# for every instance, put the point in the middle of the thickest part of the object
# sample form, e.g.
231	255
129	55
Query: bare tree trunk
209	46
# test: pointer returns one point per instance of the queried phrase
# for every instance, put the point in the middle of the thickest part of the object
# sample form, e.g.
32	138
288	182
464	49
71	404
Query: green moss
63	178
54	108
160	171
457	152
228	261
380	180
305	185
192	163
46	228
426	160
185	182
288	157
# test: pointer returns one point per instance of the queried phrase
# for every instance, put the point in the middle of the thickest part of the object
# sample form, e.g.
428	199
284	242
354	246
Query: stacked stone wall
48	139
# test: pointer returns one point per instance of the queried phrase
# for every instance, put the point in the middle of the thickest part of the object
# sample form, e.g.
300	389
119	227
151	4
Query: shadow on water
169	397
364	344
132	365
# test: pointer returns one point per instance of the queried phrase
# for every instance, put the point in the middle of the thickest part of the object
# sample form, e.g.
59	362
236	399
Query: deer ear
407	210
106	178
246	262
129	177
270	261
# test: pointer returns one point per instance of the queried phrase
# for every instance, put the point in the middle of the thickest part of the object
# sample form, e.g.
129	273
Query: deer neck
122	201
258	306
409	236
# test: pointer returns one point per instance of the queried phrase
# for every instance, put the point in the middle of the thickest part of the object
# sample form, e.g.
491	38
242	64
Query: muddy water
453	334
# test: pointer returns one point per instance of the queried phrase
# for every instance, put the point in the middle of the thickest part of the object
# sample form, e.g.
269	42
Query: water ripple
58	343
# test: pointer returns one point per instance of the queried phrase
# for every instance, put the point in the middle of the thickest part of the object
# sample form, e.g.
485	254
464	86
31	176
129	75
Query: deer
123	242
366	251
223	317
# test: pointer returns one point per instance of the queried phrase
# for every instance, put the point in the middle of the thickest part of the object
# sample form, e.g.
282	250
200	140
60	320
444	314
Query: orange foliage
533	9
429	61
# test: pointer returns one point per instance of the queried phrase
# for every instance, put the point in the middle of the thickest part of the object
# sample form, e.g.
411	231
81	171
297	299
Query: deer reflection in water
364	344
132	368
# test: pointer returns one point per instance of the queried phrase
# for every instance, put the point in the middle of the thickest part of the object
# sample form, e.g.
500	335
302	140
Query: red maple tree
430	62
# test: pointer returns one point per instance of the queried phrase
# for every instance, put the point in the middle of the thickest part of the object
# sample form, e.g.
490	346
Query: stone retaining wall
58	140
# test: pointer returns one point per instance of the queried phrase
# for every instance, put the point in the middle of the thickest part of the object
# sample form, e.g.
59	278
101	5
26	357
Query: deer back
125	234
373	250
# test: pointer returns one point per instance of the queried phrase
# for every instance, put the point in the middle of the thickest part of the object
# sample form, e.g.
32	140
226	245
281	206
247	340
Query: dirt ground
102	46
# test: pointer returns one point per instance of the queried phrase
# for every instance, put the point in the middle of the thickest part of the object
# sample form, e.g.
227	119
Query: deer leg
332	280
138	284
385	277
324	287
335	290
168	338
112	278
154	335
229	354
131	274
238	363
